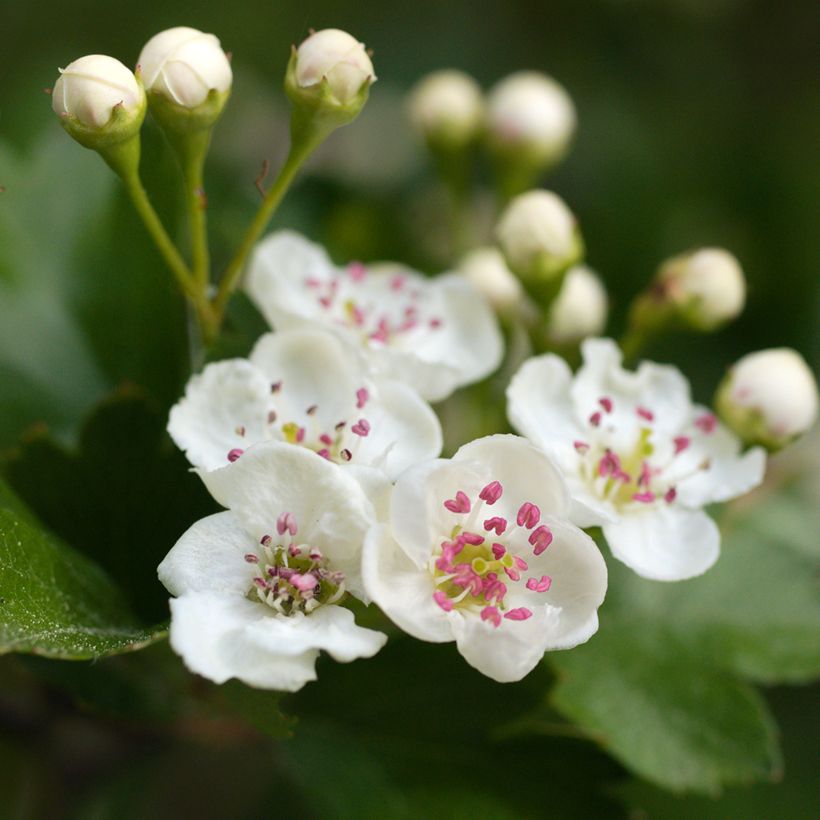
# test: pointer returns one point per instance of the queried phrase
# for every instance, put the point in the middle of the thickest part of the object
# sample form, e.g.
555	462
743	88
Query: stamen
361	428
491	614
234	454
271	417
521	613
251	558
492	492
606	403
670	495
357	271
312	409
540	539
539	585
528	515
496	523
326	439
646	415
345	454
706	423
681	443
499	551
580	446
286	522
240	431
276	387
362	396
443	601
594	420
645	497
459	504
266	541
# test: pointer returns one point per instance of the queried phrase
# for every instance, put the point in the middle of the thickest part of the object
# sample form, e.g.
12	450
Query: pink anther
539	585
286	522
492	492
528	515
606	403
459	504
234	454
681	443
491	614
361	428
496	523
645	414
540	539
443	601
520	613
645	497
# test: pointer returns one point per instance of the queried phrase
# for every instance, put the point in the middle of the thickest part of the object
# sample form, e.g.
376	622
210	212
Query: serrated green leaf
55	602
669	716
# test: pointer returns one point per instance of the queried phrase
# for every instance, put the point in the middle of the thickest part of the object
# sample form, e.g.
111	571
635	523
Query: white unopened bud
339	58
185	66
98	92
769	397
539	237
706	287
579	310
489	274
447	108
530	121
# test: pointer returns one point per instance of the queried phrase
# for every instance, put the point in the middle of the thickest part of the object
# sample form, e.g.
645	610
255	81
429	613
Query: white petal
665	543
539	406
434	379
315	369
331	510
404	429
403	591
472	339
525	472
277	272
728	475
579	581
209	631
329	627
225	397
659	388
376	486
505	653
210	557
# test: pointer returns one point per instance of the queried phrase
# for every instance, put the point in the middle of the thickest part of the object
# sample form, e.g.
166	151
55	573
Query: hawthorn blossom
258	588
433	334
307	388
640	459
478	550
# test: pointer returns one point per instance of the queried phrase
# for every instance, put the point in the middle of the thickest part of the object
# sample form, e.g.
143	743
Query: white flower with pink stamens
434	334
479	550
258	588
304	387
640	459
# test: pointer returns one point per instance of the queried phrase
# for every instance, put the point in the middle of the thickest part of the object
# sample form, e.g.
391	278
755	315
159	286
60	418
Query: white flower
305	387
90	88
538	235
184	65
479	551
257	588
446	107
433	334
769	397
639	458
579	310
339	58
707	287
530	112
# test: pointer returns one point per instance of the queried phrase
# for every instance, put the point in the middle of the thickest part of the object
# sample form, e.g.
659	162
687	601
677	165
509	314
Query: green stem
193	163
302	146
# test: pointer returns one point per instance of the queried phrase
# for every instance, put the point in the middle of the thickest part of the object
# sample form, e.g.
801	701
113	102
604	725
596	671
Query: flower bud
99	101
329	77
579	310
706	288
530	121
540	240
769	397
187	76
447	109
489	274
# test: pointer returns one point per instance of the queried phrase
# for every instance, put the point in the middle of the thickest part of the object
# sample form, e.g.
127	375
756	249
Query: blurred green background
699	124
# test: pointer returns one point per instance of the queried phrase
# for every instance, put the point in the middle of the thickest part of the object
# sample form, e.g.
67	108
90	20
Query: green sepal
315	108
178	121
122	126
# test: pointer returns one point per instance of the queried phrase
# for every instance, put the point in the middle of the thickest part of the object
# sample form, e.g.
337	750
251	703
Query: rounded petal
665	543
579	582
331	510
540	407
433	380
526	473
209	631
404	430
277	272
225	400
402	590
660	388
210	557
329	627
506	653
315	370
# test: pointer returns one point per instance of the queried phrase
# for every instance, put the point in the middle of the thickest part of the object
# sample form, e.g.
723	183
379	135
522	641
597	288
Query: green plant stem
301	148
190	287
193	163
